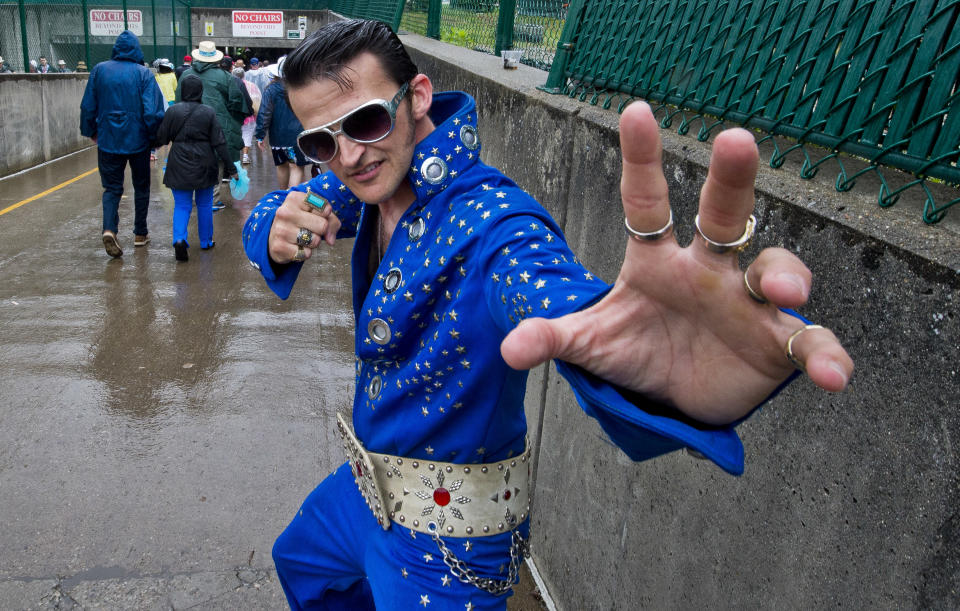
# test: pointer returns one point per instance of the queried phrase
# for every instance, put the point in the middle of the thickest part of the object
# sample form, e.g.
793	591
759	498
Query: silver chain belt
519	549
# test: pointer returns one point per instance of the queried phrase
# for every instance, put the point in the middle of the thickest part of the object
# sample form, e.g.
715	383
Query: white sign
110	23
258	24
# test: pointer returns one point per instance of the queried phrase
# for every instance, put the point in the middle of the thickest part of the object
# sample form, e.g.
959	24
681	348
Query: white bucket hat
206	51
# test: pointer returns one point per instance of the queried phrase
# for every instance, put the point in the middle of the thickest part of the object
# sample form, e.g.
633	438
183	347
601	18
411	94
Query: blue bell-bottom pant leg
112	166
335	556
182	209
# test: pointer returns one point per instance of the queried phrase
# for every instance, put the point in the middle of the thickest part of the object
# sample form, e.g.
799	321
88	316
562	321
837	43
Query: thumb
538	340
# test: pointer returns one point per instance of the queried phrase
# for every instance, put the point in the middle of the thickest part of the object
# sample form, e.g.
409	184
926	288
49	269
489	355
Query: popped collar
470	258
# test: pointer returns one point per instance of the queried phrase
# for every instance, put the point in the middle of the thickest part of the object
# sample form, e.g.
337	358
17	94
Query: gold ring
788	349
723	247
301	255
304	237
652	235
753	294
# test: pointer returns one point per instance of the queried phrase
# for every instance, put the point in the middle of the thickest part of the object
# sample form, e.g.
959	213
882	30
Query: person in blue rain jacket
121	110
462	282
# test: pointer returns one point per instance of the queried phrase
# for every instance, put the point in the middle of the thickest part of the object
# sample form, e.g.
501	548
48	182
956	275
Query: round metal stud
434	170
449	529
449	469
376	385
499	467
392	282
486	529
379	331
391	495
416	229
399	461
466	470
431	467
468	135
386	459
416	465
416	523
403	518
469	530
483	469
500	525
513	463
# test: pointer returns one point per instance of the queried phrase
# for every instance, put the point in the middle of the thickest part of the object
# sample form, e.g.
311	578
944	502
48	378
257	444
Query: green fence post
557	77
86	35
433	19
23	36
153	16
173	30
126	26
508	12
189	27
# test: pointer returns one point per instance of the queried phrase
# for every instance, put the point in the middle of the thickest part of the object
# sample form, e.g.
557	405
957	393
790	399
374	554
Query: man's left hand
679	325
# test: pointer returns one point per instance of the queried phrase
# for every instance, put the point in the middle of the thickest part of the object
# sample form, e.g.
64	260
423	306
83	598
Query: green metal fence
875	79
533	26
82	33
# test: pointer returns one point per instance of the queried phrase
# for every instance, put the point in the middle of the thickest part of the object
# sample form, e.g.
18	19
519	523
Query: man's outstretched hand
679	325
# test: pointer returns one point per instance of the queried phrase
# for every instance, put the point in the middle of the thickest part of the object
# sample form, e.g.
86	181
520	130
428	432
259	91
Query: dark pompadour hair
324	53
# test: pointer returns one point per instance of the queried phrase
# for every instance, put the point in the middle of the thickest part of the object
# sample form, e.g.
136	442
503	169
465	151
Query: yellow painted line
47	192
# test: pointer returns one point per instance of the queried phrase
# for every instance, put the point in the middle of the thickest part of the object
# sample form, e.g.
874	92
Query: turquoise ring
316	201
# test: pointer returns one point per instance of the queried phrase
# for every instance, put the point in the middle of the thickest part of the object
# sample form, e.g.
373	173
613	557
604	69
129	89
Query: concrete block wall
39	118
848	500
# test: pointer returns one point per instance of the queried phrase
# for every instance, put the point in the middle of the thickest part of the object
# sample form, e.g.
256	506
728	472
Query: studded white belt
456	500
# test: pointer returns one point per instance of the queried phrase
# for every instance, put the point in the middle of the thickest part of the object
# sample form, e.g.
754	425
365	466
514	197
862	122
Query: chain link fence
856	85
531	26
71	35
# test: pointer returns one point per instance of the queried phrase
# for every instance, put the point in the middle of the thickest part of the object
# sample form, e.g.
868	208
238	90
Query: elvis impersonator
461	283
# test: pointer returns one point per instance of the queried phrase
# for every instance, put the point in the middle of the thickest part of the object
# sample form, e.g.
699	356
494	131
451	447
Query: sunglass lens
368	123
318	145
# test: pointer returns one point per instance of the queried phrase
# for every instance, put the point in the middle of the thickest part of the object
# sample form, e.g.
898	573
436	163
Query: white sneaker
246	159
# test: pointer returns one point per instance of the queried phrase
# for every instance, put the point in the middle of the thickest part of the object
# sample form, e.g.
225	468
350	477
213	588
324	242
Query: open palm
679	325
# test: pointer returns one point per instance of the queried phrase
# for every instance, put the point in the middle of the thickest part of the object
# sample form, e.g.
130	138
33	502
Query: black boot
180	250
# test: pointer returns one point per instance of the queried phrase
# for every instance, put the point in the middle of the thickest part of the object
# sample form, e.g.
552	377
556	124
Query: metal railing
877	80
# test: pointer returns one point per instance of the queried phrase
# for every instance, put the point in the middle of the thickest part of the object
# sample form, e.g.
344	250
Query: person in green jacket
222	92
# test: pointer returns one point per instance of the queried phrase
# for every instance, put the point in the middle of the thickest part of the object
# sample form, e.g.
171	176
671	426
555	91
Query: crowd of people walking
208	111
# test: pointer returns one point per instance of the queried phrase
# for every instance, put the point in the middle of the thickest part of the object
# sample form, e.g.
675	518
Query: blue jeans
111	167
183	207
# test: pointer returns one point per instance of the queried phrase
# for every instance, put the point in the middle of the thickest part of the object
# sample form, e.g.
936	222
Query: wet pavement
160	422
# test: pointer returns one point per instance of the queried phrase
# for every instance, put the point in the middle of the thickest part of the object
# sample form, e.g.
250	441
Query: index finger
643	187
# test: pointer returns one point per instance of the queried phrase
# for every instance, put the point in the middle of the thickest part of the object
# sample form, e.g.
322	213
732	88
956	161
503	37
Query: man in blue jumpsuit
462	282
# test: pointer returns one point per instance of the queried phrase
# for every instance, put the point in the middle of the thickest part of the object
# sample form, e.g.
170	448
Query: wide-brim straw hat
206	51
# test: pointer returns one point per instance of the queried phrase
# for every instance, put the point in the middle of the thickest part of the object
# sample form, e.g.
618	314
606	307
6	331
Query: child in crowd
192	164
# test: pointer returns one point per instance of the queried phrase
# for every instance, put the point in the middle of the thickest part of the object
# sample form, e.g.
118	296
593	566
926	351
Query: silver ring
788	349
753	294
304	237
652	235
301	255
723	247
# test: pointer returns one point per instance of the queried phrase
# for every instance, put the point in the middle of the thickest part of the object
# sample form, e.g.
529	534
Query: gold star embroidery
540	283
545	303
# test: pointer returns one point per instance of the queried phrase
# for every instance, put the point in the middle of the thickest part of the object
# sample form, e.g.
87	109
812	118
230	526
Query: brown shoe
141	240
111	245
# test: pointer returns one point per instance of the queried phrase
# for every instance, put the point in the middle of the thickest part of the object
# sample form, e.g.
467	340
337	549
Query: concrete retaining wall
848	500
39	118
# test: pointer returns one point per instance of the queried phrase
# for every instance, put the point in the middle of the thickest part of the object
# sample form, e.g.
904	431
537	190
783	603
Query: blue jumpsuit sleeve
531	272
256	231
